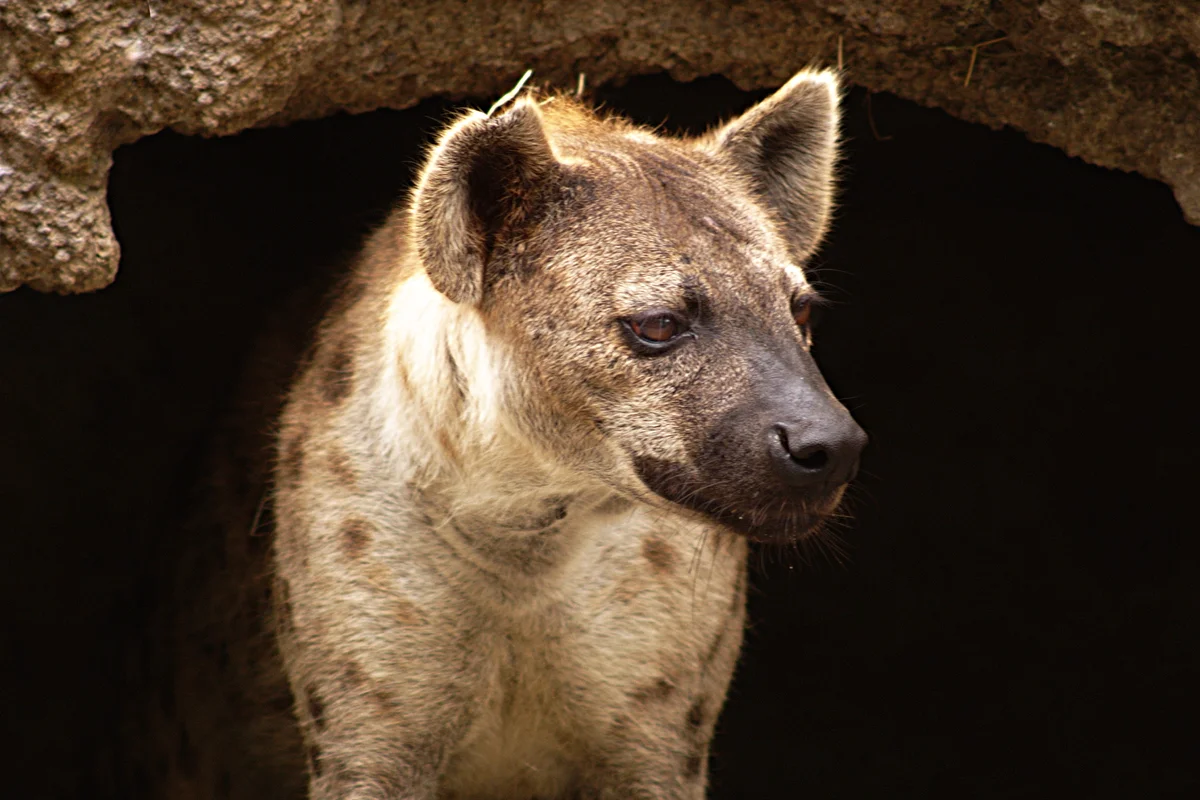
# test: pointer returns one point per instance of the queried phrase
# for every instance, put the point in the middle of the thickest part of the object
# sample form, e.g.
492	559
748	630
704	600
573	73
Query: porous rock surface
1116	82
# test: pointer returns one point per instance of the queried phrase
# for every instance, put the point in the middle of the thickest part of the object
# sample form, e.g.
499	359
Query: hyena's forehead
666	222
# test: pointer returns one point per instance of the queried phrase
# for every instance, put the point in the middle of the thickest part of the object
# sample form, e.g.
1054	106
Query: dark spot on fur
662	556
685	258
352	674
316	709
405	611
660	690
356	537
447	444
342	469
691	767
338	375
383	698
695	717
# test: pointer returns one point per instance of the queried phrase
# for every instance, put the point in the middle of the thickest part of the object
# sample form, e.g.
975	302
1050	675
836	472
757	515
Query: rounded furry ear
480	183
787	146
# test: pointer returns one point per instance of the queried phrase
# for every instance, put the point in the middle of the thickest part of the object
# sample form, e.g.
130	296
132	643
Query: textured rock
1116	82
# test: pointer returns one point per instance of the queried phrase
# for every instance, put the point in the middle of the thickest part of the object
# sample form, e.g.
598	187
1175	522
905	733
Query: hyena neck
442	388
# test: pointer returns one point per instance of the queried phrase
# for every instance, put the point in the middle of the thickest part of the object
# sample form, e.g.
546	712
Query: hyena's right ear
483	178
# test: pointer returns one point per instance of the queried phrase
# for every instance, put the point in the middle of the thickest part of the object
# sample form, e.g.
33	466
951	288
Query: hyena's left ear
483	179
787	146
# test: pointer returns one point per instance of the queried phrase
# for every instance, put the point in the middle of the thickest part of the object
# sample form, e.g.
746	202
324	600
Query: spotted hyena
504	548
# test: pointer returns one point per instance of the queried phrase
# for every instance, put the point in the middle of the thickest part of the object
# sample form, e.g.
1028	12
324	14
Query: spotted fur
507	558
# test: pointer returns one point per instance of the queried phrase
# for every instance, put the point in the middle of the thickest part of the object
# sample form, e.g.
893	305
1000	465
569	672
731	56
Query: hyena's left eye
657	329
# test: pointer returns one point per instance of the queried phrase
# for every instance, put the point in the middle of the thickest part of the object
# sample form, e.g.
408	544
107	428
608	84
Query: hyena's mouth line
765	525
771	512
780	519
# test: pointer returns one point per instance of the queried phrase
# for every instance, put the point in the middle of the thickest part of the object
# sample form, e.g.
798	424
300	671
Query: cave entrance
1016	610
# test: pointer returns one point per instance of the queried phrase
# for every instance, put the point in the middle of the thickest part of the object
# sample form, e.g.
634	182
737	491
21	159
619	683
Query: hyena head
650	297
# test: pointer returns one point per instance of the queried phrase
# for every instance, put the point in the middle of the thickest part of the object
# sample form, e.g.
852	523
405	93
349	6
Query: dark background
1017	612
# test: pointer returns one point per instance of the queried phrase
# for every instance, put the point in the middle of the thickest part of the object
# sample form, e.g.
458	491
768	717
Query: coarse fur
503	551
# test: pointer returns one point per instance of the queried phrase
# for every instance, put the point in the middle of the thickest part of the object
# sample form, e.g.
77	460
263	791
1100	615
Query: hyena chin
575	359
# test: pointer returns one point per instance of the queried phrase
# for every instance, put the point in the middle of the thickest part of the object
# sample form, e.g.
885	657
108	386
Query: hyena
503	553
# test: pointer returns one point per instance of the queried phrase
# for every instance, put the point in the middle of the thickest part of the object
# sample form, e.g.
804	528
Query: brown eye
802	312
655	331
657	328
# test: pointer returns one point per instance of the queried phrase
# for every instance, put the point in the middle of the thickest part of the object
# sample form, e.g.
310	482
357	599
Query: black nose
804	454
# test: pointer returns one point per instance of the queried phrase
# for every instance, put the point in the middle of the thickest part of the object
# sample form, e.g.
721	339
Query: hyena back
515	478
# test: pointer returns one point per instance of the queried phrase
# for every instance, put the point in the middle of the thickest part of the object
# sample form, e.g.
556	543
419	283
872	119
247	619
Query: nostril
811	458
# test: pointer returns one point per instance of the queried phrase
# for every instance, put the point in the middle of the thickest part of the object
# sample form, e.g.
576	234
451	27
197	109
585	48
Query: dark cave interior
1016	615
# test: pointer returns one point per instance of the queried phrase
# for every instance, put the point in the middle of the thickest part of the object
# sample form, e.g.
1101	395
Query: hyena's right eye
657	329
802	312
